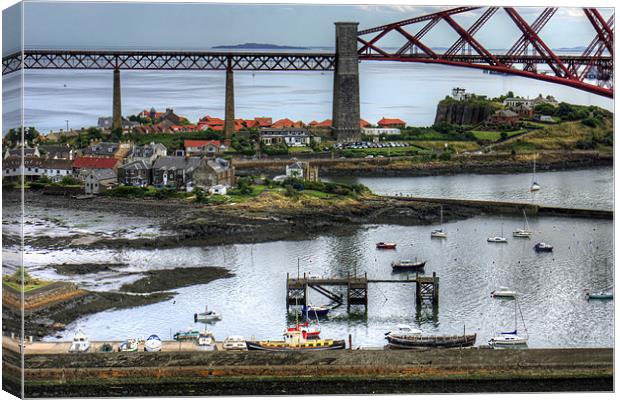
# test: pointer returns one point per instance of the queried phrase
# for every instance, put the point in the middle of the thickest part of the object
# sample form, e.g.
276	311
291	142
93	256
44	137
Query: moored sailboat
508	339
439	233
525	232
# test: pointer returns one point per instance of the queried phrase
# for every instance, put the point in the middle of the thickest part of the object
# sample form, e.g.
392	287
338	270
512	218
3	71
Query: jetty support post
116	101
229	102
435	289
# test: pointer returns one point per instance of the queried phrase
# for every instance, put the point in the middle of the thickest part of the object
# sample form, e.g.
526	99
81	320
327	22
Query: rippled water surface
253	303
589	188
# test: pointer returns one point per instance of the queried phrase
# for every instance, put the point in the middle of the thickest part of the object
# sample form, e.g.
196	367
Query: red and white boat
385	245
306	331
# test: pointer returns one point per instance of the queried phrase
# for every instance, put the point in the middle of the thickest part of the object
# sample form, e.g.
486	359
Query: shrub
445	156
69	180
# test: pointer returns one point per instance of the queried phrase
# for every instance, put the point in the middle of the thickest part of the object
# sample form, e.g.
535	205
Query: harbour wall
333	371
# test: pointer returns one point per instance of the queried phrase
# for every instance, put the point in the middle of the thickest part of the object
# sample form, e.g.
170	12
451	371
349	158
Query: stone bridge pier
346	101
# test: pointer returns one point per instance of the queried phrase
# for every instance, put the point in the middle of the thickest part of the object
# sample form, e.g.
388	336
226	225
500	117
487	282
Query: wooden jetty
426	288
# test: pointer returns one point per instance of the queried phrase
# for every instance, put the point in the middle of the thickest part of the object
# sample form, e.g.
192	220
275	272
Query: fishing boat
503	291
314	310
386	246
508	339
207	316
206	340
405	337
534	186
311	333
187	336
439	233
408	264
129	346
543	247
296	340
599	295
525	231
500	238
80	343
152	343
234	342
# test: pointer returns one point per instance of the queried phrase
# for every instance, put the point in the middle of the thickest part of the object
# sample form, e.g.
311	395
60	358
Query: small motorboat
187	336
234	342
599	295
311	310
80	343
543	247
408	264
439	233
152	343
386	246
508	339
296	340
129	346
206	340
503	291
497	239
535	187
207	316
406	337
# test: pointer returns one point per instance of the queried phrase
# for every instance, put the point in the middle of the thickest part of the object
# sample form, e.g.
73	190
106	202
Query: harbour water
586	188
387	89
550	285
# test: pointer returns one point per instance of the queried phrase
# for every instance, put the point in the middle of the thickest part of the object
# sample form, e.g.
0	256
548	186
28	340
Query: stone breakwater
336	371
418	166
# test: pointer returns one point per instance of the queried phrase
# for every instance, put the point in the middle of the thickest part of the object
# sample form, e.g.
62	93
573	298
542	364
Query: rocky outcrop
463	112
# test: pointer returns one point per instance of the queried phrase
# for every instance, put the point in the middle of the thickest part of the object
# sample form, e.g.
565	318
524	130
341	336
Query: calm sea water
550	286
588	188
387	89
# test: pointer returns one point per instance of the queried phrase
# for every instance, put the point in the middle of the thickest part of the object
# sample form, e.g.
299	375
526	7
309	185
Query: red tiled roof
283	123
390	121
313	123
200	143
364	123
264	122
250	123
326	123
94	162
211	120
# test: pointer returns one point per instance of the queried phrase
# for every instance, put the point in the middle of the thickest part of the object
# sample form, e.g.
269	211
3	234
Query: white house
290	136
97	180
380	131
517	101
33	168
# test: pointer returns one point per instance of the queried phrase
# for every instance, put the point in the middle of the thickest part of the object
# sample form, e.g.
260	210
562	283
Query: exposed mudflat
85	268
167	279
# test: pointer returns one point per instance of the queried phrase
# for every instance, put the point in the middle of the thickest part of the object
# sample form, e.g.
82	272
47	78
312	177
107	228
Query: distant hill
253	46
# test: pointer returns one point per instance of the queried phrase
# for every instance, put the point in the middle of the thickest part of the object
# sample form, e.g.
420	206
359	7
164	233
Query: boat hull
397	266
280	346
606	296
401	342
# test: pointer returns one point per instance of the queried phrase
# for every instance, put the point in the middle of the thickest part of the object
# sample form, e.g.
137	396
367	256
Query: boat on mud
311	333
128	346
80	343
408	264
503	291
296	340
405	337
187	336
386	246
206	340
599	295
152	344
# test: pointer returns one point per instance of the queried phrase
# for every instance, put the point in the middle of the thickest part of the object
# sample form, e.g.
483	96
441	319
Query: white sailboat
507	339
439	233
534	186
525	232
498	239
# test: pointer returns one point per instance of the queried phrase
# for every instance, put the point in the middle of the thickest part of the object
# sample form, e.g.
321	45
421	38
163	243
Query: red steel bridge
528	57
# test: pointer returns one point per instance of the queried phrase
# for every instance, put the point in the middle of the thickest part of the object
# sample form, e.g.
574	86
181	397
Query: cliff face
462	112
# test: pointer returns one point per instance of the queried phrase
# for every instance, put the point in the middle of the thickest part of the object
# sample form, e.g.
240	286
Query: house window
29	169
58	171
